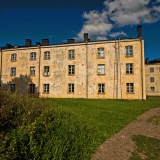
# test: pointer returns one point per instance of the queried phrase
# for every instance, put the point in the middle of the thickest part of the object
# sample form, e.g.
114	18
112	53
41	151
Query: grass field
62	129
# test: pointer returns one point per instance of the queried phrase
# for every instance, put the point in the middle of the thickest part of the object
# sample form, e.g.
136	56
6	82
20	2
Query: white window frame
101	88
46	88
129	87
129	68
129	51
13	71
13	57
151	79
31	88
152	89
71	88
71	54
71	69
33	56
32	71
151	69
100	52
12	87
101	68
47	55
46	70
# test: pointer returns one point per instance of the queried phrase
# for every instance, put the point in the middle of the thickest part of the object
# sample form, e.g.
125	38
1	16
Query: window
31	88
151	79
47	55
101	69
33	56
129	51
100	52
71	88
13	57
13	71
71	69
46	88
32	71
12	87
129	87
151	69
71	54
46	70
101	88
152	89
129	68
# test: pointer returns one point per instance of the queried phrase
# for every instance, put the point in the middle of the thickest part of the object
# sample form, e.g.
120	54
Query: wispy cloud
118	13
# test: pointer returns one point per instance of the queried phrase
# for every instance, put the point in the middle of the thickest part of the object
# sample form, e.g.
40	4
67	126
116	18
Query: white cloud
117	34
118	13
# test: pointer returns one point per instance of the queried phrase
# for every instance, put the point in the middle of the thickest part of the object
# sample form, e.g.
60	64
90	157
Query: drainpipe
86	69
39	68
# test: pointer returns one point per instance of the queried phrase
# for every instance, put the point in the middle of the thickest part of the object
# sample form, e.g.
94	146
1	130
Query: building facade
152	77
90	69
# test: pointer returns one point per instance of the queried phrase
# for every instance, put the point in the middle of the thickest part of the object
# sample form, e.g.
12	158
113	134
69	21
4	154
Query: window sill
32	59
101	74
101	57
71	74
102	93
70	92
46	93
130	93
71	58
129	56
13	75
46	75
46	59
129	74
13	60
32	75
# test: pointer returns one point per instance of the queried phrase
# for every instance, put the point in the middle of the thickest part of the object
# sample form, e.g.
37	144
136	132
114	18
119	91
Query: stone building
112	69
152	77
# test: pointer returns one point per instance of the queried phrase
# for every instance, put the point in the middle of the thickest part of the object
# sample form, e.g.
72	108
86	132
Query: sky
59	20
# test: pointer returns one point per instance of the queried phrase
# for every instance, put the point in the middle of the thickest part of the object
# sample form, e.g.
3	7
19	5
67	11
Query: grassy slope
107	116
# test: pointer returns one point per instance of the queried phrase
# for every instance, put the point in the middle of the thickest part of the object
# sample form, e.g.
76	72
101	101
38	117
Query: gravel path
120	145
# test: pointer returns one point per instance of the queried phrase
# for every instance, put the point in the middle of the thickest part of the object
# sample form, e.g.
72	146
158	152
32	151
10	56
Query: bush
37	131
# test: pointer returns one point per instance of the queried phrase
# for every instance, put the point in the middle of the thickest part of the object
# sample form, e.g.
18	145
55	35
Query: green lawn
62	129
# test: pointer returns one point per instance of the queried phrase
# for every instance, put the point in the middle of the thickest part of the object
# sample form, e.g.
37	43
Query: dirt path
120	145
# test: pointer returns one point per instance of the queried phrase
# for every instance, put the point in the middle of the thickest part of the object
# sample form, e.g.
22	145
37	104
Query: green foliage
39	131
146	148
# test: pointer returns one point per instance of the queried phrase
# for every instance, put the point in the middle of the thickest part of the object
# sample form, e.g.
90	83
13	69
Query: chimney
85	37
8	45
139	30
38	43
45	42
70	40
28	42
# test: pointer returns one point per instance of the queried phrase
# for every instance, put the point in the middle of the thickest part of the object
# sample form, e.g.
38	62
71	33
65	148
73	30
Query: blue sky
59	20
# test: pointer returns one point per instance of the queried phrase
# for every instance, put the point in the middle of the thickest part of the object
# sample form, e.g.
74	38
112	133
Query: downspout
86	69
39	68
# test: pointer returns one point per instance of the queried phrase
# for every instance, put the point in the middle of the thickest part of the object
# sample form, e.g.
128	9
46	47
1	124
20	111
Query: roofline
69	44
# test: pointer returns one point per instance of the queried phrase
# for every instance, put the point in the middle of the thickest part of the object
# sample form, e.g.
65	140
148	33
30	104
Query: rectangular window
101	69
46	88
100	52
101	88
151	69
129	51
31	88
46	70
13	71
71	69
32	71
152	89
130	87
71	54
47	55
33	56
71	88
12	87
151	79
129	68
13	57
